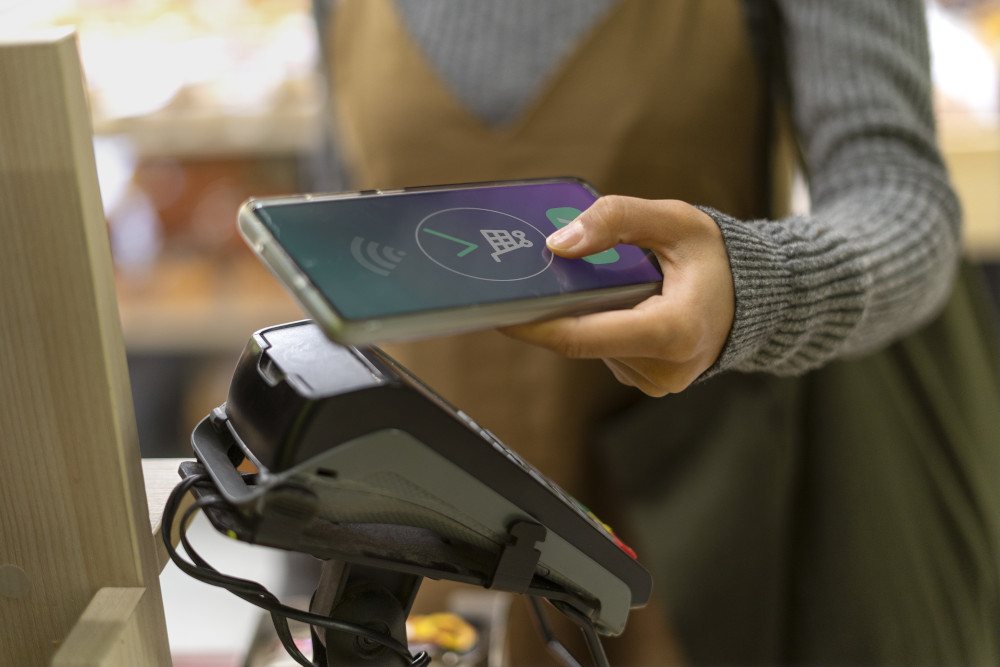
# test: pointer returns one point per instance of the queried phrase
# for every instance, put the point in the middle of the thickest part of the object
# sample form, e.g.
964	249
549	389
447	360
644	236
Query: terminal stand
371	597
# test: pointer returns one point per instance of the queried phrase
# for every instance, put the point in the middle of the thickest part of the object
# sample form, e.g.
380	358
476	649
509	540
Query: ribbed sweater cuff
780	295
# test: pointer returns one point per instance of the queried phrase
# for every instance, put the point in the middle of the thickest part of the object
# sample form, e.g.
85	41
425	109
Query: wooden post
75	541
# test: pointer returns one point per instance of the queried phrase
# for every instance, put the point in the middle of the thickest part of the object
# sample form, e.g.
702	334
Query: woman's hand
664	343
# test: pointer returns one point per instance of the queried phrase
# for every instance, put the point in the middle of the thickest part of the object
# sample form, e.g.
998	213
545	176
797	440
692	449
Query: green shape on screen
562	216
469	245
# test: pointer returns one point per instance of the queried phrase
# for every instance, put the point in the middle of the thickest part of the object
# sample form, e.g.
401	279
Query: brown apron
727	488
400	126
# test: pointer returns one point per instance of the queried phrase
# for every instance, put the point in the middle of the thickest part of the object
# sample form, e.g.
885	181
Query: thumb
609	221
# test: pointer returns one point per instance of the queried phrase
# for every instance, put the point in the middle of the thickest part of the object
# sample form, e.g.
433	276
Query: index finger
613	333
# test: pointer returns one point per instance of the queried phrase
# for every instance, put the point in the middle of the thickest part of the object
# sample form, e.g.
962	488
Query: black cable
247	590
258	595
261	597
589	632
556	647
253	592
552	643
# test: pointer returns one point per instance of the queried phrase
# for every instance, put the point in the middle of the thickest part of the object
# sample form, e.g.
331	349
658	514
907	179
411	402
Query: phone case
379	263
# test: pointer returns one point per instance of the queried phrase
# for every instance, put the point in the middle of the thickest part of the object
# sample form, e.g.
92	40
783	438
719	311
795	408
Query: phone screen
393	254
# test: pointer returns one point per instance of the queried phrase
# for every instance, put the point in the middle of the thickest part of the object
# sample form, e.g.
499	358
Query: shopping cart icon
503	241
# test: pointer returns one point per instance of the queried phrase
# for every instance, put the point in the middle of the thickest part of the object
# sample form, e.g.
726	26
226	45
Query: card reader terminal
349	445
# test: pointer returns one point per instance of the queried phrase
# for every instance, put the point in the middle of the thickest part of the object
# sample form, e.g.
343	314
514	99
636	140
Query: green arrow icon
470	246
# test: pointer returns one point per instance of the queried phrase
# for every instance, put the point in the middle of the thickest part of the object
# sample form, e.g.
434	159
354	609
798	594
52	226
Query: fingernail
567	237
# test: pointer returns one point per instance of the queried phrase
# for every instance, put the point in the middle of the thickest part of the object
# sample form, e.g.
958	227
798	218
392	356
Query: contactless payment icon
375	257
562	216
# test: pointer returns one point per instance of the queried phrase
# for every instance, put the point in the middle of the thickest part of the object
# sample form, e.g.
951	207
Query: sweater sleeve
876	255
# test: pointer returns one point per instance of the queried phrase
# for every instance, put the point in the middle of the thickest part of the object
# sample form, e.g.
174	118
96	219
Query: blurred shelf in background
196	107
972	151
965	63
197	305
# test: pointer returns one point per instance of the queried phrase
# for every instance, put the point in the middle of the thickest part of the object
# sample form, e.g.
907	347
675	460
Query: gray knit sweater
876	255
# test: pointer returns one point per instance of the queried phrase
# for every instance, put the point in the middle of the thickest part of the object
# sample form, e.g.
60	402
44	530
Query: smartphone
379	266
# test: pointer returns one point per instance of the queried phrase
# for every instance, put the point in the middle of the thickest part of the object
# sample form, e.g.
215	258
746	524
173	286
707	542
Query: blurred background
198	105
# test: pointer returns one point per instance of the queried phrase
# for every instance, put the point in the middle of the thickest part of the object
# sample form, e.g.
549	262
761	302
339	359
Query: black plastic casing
296	397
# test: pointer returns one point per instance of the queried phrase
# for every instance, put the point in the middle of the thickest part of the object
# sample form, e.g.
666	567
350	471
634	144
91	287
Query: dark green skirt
849	516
